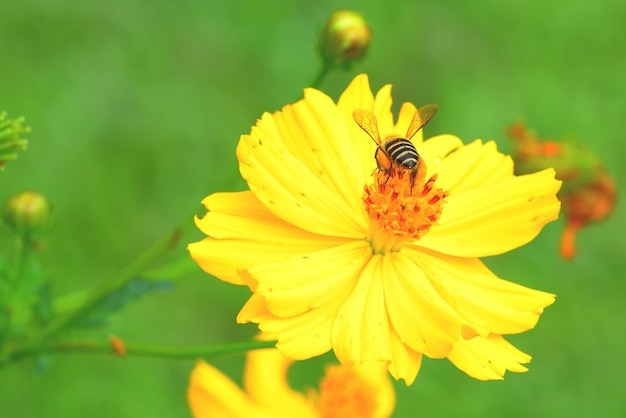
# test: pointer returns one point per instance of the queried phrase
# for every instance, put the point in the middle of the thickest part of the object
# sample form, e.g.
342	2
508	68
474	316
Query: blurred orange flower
588	194
358	392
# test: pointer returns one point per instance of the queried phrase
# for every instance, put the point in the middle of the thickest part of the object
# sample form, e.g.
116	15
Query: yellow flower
377	266
360	392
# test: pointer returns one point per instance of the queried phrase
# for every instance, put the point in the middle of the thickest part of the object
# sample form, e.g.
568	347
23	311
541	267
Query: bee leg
381	167
388	174
386	170
413	175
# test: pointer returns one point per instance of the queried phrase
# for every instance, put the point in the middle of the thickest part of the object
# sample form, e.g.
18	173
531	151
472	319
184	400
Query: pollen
401	208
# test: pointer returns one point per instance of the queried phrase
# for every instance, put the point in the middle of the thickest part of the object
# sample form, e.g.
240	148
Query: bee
396	152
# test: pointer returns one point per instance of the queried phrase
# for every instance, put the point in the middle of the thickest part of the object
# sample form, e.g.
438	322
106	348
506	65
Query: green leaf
114	302
172	270
24	295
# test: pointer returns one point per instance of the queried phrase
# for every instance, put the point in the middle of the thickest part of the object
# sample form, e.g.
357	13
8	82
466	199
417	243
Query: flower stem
58	324
115	282
141	349
321	75
13	279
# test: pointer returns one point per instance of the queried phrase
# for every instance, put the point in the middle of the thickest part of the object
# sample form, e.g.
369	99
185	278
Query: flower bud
27	213
344	39
588	193
11	141
592	202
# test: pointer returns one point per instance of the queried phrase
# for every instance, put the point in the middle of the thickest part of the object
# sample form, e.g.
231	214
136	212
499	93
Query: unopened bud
588	193
11	140
27	213
344	39
592	202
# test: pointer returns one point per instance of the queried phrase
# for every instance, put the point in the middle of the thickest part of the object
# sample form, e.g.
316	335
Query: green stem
115	282
24	247
141	349
321	75
22	252
110	285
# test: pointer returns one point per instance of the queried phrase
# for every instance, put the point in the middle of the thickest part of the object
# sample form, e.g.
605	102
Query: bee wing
421	118
367	121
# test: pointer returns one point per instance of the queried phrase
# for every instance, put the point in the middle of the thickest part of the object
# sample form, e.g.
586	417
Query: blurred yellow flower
359	392
377	267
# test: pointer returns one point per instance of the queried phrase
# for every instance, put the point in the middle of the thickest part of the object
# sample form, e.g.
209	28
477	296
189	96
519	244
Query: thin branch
121	348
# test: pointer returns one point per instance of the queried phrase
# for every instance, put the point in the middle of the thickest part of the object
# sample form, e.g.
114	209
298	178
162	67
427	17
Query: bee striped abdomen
402	152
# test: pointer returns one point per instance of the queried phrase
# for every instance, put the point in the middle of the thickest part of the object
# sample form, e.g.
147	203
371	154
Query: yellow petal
358	95
304	336
473	166
361	330
435	149
213	395
488	358
496	217
320	194
421	318
304	293
328	139
382	110
486	302
241	215
243	233
265	380
254	310
405	363
311	280
299	337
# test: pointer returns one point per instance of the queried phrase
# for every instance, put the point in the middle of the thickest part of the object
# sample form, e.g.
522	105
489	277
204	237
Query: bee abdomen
402	152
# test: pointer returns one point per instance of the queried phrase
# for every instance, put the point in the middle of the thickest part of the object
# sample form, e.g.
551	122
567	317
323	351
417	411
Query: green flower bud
11	141
27	213
344	39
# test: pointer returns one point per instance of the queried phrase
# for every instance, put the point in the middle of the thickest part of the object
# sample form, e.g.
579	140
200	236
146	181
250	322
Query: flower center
343	393
402	206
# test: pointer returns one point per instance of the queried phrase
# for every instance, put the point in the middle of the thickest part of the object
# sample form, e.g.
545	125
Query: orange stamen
399	211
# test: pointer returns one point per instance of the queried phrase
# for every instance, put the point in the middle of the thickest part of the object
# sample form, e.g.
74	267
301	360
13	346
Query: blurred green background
136	109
